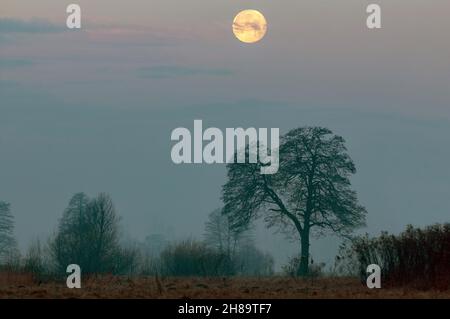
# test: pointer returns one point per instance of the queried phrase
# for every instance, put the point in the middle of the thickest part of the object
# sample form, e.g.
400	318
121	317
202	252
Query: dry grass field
23	286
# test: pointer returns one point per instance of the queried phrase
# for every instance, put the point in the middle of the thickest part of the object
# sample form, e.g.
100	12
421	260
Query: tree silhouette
310	192
7	241
220	235
88	235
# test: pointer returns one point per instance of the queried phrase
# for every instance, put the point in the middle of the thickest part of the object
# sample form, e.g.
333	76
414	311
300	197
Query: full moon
249	26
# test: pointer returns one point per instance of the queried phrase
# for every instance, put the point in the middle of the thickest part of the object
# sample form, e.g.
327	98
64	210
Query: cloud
170	72
14	63
9	25
130	35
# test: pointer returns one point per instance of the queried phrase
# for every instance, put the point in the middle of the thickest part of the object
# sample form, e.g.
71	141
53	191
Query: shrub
250	261
193	258
291	268
38	262
415	257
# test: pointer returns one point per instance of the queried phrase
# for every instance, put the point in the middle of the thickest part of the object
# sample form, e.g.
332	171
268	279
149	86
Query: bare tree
310	192
7	241
88	235
71	241
103	233
242	257
220	235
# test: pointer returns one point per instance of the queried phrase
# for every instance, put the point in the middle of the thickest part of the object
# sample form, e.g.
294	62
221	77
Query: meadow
23	286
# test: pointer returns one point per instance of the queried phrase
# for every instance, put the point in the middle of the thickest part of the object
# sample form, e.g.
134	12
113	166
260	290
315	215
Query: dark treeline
88	234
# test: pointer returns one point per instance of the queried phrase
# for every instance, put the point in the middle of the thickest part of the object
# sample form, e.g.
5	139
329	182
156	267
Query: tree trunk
304	254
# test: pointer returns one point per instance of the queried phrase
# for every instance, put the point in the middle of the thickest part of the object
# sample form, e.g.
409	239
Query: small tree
38	262
72	243
7	241
88	236
310	192
220	235
242	257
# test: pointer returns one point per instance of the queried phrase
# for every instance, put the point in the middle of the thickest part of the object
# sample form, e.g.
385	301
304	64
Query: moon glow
249	26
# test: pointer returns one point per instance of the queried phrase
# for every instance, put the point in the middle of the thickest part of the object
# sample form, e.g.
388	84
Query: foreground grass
23	286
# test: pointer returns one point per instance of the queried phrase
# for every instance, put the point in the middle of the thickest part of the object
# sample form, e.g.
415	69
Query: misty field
23	286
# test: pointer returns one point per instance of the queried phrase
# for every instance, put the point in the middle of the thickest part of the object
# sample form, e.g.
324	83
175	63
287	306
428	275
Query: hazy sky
92	110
